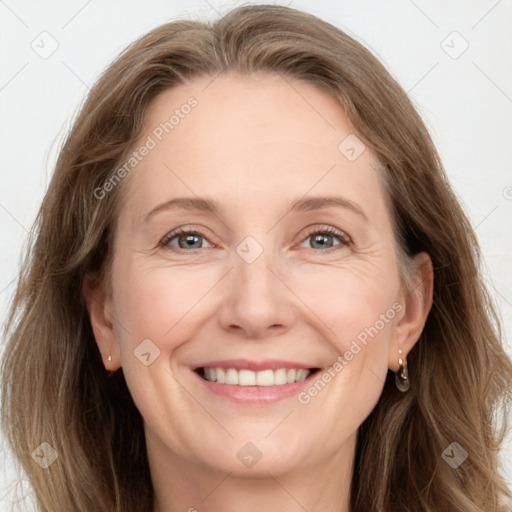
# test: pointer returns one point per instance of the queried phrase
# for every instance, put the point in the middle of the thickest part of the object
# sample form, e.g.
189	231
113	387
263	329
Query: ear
416	307
99	309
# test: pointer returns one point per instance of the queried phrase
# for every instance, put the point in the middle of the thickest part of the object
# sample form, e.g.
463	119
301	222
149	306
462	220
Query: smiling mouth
278	377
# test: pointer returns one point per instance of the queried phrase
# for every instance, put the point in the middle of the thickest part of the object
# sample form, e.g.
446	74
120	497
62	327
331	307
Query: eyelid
344	238
186	229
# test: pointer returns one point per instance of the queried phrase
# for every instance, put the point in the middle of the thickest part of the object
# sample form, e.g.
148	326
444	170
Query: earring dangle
402	375
110	372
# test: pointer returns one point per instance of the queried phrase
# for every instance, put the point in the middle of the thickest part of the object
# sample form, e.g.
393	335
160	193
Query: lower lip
256	394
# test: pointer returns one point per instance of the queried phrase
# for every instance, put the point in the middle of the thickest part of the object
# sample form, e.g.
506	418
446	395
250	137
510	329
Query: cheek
155	302
350	300
356	311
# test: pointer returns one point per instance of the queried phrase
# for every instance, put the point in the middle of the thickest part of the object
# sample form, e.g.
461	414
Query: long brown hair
54	386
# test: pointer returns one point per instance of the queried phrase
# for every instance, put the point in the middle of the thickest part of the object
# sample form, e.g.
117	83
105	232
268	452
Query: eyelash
344	239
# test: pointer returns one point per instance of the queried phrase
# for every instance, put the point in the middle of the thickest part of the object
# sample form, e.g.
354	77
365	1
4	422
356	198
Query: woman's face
290	266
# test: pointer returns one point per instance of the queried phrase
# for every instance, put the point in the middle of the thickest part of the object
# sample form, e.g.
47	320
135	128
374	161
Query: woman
252	287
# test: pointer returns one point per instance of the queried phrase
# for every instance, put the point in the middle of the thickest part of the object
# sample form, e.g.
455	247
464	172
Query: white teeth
301	375
250	378
280	377
246	378
231	376
265	378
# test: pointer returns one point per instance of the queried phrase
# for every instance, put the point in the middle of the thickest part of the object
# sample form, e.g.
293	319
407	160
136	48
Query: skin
254	144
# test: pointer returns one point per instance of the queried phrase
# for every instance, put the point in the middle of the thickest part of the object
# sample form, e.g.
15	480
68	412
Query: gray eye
321	241
324	239
189	241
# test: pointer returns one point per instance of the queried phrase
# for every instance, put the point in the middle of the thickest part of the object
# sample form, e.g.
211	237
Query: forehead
257	139
248	113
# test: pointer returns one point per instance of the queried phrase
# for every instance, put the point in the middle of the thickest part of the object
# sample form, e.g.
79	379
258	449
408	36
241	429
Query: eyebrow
201	204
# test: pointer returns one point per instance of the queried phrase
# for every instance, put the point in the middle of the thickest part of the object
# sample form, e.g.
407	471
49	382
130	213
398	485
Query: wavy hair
54	386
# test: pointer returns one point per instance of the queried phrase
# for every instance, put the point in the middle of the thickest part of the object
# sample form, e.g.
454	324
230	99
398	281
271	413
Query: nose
257	303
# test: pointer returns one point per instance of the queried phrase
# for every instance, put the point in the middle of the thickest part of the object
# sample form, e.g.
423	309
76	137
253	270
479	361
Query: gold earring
110	372
402	375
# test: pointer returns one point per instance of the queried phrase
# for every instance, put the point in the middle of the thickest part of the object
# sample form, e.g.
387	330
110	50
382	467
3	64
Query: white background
465	101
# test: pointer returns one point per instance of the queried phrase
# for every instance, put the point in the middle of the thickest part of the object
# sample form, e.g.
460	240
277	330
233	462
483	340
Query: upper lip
246	364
